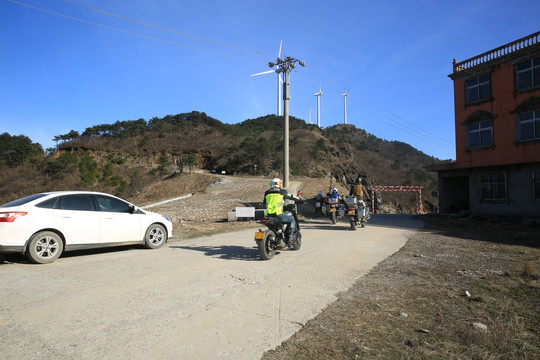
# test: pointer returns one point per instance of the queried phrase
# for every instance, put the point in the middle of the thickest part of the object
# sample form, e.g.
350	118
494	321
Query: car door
77	219
118	222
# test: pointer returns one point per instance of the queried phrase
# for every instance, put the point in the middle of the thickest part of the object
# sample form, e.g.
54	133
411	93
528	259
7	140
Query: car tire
155	236
44	247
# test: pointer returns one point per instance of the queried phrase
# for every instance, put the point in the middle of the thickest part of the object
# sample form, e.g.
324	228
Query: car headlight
166	217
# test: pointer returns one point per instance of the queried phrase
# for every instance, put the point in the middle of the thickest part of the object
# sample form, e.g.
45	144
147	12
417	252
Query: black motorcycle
275	236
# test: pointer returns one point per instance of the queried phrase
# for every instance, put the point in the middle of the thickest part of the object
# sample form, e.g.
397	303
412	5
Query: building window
536	185
494	187
480	134
478	89
529	125
528	73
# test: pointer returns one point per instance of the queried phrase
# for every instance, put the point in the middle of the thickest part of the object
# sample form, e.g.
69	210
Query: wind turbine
318	95
279	80
345	98
284	66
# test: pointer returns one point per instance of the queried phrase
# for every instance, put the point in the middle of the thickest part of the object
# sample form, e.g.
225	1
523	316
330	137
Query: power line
133	33
387	117
399	119
412	128
407	122
432	138
189	36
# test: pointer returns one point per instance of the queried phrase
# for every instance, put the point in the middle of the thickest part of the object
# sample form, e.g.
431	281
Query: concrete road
206	298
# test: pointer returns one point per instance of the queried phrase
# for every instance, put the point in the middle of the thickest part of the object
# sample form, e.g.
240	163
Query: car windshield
23	200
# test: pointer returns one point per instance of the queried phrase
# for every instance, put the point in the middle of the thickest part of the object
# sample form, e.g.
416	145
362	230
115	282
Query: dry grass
423	302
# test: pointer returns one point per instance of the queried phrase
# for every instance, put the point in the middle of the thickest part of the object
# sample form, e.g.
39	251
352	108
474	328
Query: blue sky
67	66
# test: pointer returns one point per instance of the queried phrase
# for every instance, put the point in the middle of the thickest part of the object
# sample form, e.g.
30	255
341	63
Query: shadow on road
10	258
321	225
226	252
398	221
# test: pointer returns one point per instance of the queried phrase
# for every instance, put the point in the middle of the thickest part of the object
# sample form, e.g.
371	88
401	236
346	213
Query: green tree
321	146
191	161
118	182
88	168
164	163
14	150
57	167
107	172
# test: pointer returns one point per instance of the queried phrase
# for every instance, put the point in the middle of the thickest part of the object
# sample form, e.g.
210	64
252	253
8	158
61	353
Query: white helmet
275	182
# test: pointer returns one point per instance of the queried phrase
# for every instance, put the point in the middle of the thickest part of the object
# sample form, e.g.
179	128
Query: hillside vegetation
124	157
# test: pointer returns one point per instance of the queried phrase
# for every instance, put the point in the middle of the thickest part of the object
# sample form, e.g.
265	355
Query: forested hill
121	158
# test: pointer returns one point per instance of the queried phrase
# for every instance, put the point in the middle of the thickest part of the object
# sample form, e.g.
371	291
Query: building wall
519	201
461	190
504	102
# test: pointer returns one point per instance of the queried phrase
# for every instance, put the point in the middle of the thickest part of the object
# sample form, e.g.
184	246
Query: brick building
497	124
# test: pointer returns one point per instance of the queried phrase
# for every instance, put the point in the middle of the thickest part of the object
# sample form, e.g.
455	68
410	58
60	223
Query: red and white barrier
397	188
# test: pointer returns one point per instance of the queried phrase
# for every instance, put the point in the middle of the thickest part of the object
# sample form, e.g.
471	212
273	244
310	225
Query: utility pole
285	66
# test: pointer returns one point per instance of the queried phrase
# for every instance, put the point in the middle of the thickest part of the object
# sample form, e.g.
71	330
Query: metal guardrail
495	54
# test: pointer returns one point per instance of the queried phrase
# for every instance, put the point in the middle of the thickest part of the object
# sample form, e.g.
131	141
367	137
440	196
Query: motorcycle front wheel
333	218
297	242
267	246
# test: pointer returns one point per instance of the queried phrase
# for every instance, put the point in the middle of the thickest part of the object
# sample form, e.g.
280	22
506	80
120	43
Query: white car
42	226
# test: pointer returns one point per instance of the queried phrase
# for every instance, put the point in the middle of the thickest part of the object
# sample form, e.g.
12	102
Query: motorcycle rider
319	199
358	190
334	193
274	199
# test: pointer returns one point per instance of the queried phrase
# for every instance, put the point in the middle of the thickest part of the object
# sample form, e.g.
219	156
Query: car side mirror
132	209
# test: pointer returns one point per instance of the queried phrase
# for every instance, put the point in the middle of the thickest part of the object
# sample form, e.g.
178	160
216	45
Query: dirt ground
460	289
215	195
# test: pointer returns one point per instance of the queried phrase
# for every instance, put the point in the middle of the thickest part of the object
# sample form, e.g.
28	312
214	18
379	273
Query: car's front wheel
155	236
44	247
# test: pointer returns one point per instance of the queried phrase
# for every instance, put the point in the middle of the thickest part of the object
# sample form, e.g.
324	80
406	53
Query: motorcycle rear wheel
353	224
333	218
267	246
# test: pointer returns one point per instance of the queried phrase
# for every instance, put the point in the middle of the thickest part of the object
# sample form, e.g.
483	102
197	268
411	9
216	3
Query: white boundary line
165	201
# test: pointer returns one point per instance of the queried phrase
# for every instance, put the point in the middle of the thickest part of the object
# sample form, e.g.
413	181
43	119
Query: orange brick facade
503	105
497	124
